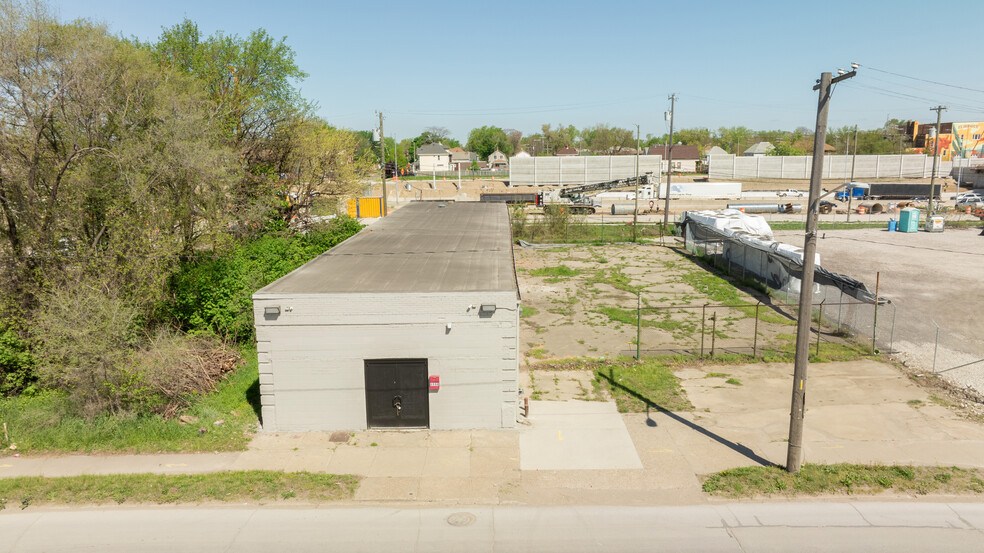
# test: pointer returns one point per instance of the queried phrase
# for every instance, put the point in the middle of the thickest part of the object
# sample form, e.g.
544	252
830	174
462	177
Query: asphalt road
756	527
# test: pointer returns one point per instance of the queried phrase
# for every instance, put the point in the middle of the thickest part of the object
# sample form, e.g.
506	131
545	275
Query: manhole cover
461	519
339	437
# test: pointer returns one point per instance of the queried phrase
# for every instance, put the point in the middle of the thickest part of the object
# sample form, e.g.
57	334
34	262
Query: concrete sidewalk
859	412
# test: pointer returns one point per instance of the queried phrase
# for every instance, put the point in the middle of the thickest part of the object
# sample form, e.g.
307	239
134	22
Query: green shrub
17	364
213	295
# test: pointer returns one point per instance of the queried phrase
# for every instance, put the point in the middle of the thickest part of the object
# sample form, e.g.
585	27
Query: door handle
398	404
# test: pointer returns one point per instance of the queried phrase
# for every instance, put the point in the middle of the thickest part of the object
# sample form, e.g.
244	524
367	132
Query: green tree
485	140
783	149
252	80
607	139
559	138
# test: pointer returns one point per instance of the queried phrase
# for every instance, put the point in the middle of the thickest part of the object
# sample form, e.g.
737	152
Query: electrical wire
522	110
921	79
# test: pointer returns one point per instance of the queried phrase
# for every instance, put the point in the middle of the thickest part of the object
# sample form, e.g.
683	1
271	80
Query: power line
923	80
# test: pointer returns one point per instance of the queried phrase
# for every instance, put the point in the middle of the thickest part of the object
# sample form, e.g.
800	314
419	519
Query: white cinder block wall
311	356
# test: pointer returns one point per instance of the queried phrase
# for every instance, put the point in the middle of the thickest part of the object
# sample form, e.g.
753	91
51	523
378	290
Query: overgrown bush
86	336
176	368
94	347
213	294
17	364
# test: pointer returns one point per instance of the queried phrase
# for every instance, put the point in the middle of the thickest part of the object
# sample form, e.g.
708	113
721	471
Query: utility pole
382	151
850	187
669	168
635	212
936	151
794	455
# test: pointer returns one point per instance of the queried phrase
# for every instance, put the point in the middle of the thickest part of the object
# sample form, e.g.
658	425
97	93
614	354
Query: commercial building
414	322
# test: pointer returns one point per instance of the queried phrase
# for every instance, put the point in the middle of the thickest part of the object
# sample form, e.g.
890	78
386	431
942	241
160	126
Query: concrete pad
352	460
398	461
387	489
444	462
494	438
395	438
461	490
576	435
494	461
260	460
450	438
309	461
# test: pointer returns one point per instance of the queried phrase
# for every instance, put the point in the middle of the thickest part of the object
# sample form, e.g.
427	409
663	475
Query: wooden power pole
669	168
794	455
936	151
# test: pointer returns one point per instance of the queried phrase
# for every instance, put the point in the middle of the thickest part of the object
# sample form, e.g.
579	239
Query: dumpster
909	220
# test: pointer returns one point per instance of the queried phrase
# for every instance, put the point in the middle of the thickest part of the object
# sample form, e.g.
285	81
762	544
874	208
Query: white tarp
732	221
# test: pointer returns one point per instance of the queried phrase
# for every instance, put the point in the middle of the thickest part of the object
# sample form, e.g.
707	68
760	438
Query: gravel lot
930	277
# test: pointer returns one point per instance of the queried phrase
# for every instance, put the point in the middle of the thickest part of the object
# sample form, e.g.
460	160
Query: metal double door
397	393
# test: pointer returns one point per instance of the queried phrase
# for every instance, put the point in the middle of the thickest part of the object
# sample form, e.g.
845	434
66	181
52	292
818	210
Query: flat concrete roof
422	247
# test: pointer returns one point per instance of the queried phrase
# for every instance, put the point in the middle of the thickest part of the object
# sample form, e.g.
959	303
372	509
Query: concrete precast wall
312	355
727	166
560	170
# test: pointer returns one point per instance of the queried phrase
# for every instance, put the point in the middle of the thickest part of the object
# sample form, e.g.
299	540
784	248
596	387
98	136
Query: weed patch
555	272
49	422
843	479
253	485
635	385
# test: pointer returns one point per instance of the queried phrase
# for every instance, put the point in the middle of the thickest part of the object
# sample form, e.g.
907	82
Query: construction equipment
577	197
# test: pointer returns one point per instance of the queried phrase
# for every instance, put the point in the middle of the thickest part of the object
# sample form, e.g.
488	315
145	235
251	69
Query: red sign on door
435	382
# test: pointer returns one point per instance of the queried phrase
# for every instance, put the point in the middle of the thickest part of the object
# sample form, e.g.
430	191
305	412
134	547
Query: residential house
433	157
498	160
758	149
685	156
462	159
714	151
522	153
566	151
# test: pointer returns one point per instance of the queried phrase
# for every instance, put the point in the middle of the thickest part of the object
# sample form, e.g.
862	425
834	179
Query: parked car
791	192
969	198
971	202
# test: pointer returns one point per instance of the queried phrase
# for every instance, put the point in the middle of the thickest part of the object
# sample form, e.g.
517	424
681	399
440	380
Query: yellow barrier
365	207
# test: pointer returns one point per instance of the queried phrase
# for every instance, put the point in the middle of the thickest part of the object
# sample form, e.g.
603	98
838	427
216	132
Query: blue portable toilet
909	220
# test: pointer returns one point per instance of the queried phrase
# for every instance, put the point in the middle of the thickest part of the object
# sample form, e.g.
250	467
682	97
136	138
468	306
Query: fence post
874	324
820	322
840	305
936	347
714	324
891	338
639	326
755	338
703	317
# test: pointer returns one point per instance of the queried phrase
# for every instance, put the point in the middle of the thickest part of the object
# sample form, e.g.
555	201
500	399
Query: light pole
794	455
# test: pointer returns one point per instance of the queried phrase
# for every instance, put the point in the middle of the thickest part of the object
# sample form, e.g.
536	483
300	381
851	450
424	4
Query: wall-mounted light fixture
487	309
272	311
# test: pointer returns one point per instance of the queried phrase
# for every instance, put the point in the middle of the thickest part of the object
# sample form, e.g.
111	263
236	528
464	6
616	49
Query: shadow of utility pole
738	448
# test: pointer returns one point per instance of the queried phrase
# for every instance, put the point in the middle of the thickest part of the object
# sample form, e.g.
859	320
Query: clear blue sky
521	64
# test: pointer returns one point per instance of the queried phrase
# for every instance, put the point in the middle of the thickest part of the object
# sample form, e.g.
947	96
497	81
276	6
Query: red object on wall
435	382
